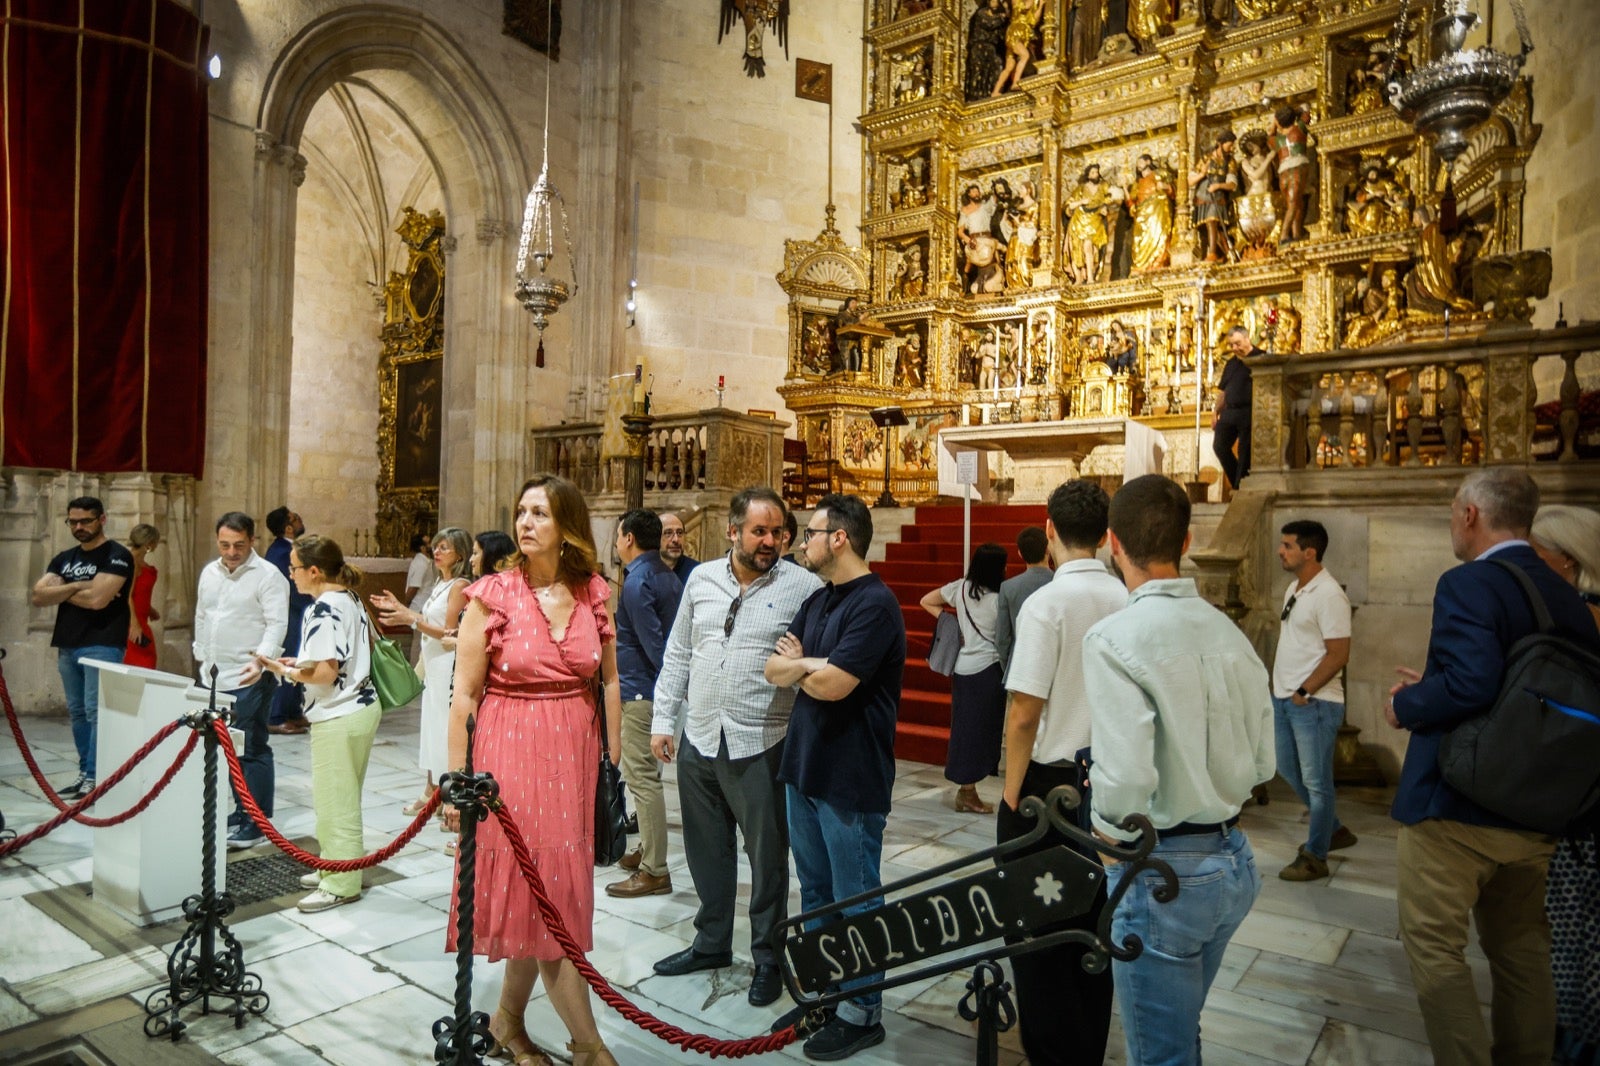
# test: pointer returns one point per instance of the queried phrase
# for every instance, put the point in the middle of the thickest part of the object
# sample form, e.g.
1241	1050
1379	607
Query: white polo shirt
1047	658
1321	613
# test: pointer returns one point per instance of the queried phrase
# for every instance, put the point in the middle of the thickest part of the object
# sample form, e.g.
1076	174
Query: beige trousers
643	774
1448	872
339	751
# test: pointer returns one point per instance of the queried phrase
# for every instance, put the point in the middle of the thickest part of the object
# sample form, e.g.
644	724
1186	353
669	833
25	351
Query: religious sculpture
911	76
910	368
1381	310
1150	203
986	48
1283	327
756	15
1376	203
1366	83
910	279
1039	351
816	345
1256	10
1086	211
1291	140
847	349
1257	217
1022	248
1149	21
1019	42
908	181
1508	280
1432	284
907	8
1085	32
1214	182
982	255
1122	349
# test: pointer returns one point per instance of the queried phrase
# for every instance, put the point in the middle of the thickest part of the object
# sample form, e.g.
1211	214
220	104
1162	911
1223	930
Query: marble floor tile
1369	1002
316	979
72	987
1296	937
36	945
1343	1043
13	1012
388	1027
275	1050
1260	1027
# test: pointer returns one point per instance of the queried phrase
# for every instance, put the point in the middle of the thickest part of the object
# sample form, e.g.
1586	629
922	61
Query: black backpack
1535	756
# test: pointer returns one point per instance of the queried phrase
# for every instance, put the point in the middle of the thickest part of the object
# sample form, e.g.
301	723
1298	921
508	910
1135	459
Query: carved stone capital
271	150
492	229
448	244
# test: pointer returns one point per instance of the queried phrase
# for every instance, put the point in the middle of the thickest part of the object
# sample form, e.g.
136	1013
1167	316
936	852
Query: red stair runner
928	555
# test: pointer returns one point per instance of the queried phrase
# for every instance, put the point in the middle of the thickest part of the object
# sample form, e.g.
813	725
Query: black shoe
690	961
235	820
794	1016
78	789
765	984
839	1040
633	824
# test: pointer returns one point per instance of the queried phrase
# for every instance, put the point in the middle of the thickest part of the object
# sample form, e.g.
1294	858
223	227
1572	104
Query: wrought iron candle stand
207	962
462	1038
1029	891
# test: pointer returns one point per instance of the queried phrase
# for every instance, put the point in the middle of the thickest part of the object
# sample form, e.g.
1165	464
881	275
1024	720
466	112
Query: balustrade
1431	404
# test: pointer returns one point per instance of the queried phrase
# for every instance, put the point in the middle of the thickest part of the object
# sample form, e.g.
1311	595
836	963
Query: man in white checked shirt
732	613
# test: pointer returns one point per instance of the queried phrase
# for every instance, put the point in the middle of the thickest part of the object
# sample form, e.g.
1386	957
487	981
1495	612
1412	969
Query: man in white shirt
242	610
1064	1012
1182	725
712	674
1308	691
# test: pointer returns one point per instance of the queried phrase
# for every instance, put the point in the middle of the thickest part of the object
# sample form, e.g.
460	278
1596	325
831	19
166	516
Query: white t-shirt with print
979	619
335	627
1321	612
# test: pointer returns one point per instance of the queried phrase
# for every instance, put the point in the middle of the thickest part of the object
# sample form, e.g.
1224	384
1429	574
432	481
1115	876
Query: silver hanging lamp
543	292
1459	89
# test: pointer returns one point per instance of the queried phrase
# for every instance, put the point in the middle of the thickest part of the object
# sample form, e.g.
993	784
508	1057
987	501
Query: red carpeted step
925	707
918	676
921	743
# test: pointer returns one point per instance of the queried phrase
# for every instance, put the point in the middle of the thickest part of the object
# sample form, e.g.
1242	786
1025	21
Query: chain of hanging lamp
542	292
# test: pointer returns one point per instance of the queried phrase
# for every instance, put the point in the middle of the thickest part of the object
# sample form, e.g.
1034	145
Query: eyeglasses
807	533
1287	608
76	522
733	612
295	566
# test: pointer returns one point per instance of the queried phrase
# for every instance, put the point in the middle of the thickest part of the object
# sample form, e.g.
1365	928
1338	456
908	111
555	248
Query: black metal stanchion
462	1038
197	971
988	1002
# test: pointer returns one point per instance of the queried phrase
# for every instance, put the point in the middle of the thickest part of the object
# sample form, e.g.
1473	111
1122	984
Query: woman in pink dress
533	638
141	651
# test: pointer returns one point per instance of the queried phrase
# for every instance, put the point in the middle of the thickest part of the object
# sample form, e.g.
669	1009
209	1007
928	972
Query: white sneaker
311	880
321	901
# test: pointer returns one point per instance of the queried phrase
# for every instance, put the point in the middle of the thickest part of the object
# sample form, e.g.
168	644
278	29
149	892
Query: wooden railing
1439	403
711	453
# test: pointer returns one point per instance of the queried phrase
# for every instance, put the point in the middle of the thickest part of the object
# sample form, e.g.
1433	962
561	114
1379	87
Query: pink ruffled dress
539	735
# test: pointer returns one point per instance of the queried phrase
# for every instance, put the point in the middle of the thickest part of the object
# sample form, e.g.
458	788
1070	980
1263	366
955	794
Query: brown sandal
588	1052
500	1047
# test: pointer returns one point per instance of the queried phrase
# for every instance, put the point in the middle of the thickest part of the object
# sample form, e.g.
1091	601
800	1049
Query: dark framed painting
536	23
419	389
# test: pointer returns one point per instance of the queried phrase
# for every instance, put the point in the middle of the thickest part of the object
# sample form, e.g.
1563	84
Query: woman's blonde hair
461	541
142	534
579	560
324	553
1575	533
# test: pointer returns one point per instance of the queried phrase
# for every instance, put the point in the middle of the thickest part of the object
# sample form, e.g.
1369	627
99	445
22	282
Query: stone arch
467	133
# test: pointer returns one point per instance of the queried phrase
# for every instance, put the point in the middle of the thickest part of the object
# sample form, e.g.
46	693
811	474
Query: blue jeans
1306	736
1161	992
82	685
836	855
250	709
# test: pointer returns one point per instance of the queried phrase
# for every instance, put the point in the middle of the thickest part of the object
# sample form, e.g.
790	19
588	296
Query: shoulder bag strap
960	598
1541	613
371	626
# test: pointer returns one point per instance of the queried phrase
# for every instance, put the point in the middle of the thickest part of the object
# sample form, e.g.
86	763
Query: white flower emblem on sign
1047	888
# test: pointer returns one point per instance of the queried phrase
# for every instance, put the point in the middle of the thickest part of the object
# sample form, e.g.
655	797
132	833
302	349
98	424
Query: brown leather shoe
294	725
630	861
639	884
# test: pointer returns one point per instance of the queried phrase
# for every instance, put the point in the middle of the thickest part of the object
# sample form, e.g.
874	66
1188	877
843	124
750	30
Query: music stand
884	418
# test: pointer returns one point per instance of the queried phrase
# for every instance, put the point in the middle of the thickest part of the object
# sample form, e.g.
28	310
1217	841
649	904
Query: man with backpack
1458	859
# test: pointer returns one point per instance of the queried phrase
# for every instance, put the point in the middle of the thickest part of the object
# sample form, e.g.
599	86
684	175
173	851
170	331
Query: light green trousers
339	751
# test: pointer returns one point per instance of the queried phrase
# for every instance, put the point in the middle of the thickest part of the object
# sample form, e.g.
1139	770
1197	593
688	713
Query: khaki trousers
339	751
643	774
1448	871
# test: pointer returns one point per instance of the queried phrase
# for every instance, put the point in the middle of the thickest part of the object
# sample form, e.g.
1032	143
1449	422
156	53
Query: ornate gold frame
410	388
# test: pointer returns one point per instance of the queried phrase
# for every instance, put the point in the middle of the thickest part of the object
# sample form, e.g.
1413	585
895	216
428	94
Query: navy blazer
1479	612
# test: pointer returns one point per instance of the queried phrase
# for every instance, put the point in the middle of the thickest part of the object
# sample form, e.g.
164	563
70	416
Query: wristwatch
1302	693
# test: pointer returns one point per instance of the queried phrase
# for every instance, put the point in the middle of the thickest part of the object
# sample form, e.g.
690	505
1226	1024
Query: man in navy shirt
846	651
288	701
645	610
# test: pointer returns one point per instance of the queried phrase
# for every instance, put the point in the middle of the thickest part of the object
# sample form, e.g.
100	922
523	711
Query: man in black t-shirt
89	587
846	651
1230	415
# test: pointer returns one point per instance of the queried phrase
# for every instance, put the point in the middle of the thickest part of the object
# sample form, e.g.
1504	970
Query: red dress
142	654
539	735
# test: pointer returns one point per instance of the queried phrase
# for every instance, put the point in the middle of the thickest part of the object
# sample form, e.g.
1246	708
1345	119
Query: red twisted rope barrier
287	846
672	1034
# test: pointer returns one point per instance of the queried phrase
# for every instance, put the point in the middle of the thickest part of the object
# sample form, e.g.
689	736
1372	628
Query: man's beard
753	561
818	566
84	536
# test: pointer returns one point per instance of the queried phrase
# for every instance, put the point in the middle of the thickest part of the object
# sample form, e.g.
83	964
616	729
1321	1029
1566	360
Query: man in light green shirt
1182	726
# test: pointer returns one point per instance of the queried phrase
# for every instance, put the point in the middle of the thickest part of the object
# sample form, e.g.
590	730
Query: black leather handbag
610	812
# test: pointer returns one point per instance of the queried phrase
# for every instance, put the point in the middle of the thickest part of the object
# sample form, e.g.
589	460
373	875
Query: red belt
538	690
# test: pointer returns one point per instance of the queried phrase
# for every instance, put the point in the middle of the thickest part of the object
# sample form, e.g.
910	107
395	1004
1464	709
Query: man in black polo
846	650
1230	415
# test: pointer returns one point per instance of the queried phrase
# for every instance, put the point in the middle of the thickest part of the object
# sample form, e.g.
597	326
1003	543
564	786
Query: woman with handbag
977	696
533	639
335	666
435	621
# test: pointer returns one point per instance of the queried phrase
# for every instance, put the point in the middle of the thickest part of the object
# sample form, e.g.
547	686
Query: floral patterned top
335	627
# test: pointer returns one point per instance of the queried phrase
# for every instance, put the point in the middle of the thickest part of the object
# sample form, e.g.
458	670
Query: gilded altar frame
411	387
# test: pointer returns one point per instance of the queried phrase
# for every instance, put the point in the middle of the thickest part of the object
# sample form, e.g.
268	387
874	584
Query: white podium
145	867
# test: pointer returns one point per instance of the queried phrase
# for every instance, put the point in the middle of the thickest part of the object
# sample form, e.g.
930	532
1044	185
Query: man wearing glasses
732	613
846	653
672	546
1308	691
88	584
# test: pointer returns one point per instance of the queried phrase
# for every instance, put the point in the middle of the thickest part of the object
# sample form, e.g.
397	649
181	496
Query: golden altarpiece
411	387
1040	247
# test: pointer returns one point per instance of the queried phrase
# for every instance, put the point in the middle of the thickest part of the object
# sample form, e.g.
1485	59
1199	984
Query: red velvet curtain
104	217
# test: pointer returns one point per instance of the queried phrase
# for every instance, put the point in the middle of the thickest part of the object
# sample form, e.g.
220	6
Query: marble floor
1315	975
